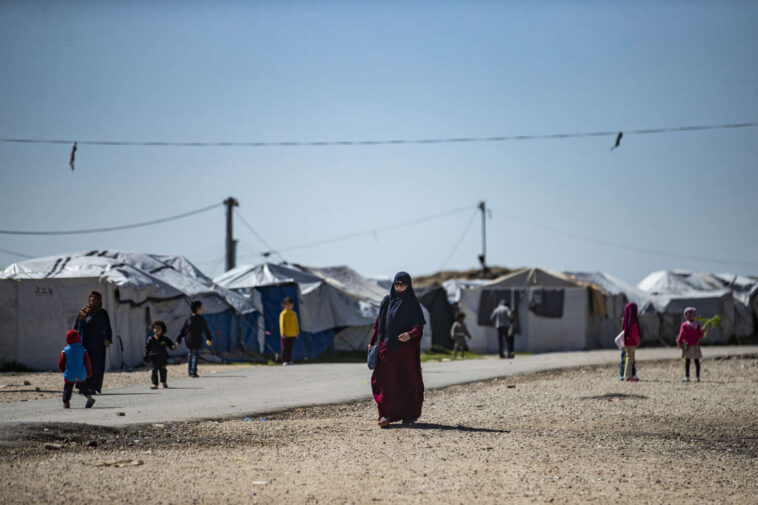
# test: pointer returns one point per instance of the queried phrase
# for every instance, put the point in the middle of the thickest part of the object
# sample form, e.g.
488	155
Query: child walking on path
459	333
75	364
631	339
289	329
193	330
690	334
156	353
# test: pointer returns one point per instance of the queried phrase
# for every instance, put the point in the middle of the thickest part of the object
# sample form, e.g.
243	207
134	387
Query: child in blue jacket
75	364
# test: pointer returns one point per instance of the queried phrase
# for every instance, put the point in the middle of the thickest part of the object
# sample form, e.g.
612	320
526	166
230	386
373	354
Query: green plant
709	323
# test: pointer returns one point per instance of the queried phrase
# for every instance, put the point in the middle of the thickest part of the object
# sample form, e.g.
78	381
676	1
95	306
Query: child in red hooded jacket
688	341
75	364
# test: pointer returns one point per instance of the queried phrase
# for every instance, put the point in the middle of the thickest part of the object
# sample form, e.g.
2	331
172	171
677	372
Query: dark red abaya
396	382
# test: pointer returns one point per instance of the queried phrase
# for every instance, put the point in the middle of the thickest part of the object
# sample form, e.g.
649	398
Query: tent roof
525	277
138	276
268	274
351	282
678	282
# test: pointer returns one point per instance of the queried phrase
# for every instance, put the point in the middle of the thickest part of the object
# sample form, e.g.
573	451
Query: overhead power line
441	140
626	247
271	250
460	240
113	228
374	231
14	253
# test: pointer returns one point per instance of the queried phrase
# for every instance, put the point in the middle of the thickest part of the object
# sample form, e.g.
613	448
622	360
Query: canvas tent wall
554	312
336	305
369	295
730	296
617	294
41	297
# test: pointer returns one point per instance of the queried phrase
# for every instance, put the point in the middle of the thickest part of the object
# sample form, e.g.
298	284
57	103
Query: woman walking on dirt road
94	325
396	382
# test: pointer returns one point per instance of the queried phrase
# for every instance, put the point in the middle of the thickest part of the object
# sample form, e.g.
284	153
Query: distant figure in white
502	317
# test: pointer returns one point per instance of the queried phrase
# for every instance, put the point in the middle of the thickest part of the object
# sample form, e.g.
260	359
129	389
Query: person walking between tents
631	328
94	326
396	383
289	329
193	330
502	318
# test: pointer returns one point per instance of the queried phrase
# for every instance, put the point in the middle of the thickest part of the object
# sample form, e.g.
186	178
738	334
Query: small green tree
709	323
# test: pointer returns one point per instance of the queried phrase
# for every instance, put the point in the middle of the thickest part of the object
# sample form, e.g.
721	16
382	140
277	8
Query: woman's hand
370	347
404	337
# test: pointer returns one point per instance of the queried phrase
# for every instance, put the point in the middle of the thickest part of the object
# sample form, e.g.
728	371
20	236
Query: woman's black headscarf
403	312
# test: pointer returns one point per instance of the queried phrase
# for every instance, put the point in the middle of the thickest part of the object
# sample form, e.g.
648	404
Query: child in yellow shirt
289	329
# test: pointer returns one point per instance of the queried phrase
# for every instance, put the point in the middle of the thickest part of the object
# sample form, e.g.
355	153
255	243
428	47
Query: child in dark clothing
75	364
156	353
193	330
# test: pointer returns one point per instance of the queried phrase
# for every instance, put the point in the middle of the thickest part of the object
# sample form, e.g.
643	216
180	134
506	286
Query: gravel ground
577	436
24	387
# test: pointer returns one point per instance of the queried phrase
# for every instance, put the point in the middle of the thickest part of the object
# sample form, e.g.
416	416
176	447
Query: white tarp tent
569	325
39	300
329	298
369	295
731	296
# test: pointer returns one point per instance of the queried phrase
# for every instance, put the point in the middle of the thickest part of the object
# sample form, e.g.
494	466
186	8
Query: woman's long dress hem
397	383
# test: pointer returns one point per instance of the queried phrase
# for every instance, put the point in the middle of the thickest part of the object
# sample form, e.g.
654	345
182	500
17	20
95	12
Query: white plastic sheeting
733	297
329	297
41	297
454	287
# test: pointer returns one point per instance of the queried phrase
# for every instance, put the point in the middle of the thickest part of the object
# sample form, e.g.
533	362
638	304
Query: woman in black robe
94	326
397	383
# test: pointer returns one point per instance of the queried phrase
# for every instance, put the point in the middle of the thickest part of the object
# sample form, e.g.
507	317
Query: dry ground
23	387
577	436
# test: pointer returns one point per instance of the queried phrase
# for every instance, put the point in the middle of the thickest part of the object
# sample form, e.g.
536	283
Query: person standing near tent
631	328
289	329
502	317
459	333
94	326
688	341
396	382
193	330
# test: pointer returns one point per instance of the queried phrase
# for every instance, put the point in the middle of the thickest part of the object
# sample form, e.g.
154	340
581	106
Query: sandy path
23	387
577	436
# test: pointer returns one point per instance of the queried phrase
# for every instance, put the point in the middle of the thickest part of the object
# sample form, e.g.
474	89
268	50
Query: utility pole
231	244
483	256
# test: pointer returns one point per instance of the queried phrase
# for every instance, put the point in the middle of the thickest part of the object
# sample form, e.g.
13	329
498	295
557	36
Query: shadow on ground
445	427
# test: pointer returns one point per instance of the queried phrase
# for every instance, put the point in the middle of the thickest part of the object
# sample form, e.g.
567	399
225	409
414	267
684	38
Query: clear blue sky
270	71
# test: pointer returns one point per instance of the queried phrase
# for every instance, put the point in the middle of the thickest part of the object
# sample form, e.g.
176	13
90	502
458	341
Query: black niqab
404	311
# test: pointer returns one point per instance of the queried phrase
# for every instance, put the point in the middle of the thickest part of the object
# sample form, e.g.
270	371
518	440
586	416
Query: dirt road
576	436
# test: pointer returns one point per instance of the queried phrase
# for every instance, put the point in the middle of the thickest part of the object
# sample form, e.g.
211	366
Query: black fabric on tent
434	299
547	302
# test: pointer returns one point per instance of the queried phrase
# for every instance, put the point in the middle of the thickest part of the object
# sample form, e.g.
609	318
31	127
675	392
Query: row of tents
553	311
